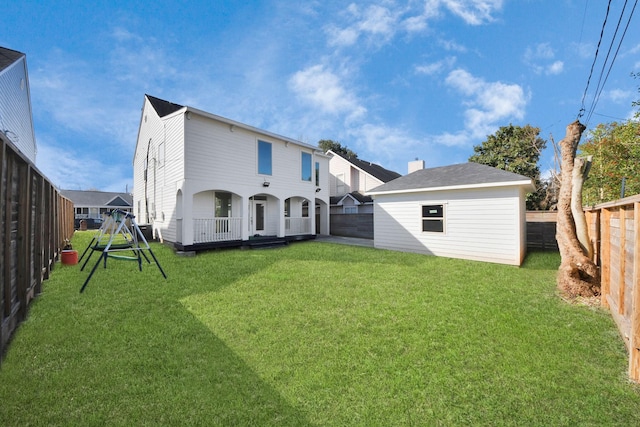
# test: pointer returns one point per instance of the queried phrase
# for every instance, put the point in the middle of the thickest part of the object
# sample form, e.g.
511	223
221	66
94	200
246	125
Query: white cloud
435	67
474	12
541	59
323	89
487	105
556	68
619	95
379	24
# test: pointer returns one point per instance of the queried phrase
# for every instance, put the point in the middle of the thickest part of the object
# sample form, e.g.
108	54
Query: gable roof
162	107
8	57
98	198
463	175
165	108
357	197
377	171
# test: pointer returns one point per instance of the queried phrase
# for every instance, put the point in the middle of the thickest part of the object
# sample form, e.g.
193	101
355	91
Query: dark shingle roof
361	198
98	198
460	175
377	171
8	57
162	107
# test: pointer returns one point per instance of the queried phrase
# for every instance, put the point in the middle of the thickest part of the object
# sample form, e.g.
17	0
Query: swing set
118	238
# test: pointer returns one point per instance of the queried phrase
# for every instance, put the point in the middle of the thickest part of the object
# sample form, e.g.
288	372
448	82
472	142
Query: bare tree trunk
578	275
581	168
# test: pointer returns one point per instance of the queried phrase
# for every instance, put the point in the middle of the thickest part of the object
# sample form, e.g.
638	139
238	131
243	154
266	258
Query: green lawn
314	334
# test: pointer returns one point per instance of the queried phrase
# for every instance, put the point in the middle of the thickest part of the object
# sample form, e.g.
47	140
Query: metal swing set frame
118	235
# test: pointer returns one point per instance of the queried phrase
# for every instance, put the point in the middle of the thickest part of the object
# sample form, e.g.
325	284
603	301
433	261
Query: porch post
245	212
187	214
281	220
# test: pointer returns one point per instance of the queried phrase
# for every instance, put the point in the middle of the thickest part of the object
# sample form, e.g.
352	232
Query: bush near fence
34	222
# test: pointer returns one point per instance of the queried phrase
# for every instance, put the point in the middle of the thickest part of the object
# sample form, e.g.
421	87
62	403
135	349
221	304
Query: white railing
294	226
217	230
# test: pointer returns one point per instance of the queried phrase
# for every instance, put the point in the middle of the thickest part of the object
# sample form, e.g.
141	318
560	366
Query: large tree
515	149
336	147
615	148
578	275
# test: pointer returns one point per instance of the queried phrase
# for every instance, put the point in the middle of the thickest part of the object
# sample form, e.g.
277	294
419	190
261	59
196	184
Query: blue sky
392	80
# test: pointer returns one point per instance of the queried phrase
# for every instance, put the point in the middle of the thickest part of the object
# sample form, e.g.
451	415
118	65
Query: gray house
469	211
91	205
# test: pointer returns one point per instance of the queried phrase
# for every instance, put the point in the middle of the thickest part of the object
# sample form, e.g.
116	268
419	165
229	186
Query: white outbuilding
469	211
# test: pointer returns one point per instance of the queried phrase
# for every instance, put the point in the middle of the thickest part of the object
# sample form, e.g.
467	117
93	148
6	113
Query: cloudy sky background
391	80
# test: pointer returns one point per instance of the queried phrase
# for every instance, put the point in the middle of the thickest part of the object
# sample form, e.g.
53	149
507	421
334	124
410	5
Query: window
305	209
287	208
306	167
264	158
350	209
223	204
433	218
317	174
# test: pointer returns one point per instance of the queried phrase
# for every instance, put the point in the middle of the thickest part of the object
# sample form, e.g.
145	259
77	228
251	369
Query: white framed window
264	158
350	209
306	166
433	218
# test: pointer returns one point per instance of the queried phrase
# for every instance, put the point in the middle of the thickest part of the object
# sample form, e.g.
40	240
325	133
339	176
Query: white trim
523	183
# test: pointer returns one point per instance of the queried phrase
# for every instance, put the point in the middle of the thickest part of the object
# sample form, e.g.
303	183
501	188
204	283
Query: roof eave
528	185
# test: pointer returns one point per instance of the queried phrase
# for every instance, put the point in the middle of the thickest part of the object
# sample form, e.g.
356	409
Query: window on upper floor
264	158
433	218
317	174
306	166
350	209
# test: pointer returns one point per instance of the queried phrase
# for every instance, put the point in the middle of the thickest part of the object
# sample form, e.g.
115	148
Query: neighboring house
16	121
469	211
91	205
204	181
351	178
351	208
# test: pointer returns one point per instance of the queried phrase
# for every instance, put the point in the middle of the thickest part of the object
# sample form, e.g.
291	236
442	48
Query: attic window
433	218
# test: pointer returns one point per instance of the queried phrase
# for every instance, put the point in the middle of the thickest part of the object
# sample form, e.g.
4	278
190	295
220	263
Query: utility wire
615	55
584	95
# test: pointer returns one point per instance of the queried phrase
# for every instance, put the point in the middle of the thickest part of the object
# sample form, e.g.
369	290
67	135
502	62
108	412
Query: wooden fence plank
634	339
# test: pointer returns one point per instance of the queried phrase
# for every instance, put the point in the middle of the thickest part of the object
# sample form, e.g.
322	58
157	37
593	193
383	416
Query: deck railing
217	230
296	226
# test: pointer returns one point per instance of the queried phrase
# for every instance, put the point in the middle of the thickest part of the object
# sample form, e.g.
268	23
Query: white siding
203	154
483	225
354	178
164	170
15	108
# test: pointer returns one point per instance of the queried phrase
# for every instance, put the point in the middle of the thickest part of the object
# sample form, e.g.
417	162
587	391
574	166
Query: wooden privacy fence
614	229
34	222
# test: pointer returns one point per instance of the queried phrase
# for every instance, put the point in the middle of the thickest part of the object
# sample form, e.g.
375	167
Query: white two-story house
204	181
16	121
351	208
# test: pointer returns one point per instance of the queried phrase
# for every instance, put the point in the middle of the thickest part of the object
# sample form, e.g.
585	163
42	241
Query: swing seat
123	257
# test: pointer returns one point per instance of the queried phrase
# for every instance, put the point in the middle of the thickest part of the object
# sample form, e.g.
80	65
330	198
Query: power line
615	55
595	58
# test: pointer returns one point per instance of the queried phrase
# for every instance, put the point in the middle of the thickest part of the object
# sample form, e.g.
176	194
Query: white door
257	216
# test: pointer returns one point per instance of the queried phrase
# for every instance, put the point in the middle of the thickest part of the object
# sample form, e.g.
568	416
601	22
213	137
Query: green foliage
615	148
336	147
314	334
515	149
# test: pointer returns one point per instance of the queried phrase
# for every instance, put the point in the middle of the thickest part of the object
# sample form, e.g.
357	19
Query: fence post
605	257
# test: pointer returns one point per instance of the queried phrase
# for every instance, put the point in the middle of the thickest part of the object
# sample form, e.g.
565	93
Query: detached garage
469	211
